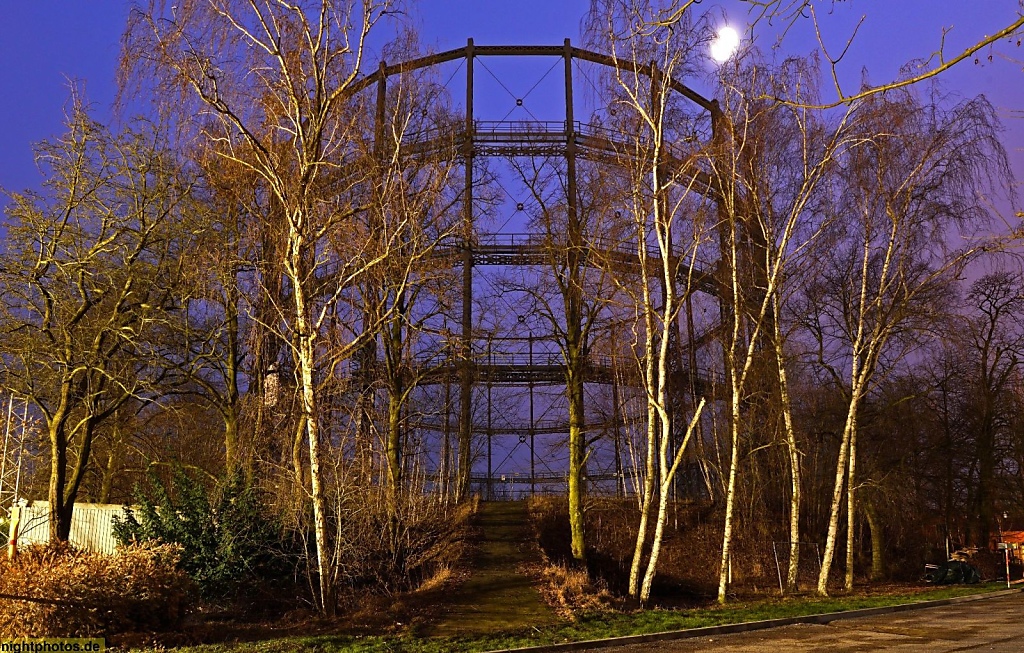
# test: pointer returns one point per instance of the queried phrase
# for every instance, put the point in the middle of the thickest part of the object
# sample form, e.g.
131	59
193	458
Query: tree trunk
667	475
60	527
877	541
113	465
394	441
64	485
647	496
837	501
792	573
730	501
232	456
305	337
851	511
325	565
648	375
577	465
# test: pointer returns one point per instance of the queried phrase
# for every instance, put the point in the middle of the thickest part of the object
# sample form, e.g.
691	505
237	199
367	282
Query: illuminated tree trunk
851	510
305	336
793	451
878	562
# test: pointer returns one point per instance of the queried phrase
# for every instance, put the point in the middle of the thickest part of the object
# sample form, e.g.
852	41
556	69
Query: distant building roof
1013	537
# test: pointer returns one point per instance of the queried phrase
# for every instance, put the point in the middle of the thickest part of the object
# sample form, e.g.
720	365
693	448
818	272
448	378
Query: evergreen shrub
228	543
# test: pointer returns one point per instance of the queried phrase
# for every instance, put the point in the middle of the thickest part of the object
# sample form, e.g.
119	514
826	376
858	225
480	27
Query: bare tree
910	189
410	216
771	162
276	78
205	348
665	194
996	344
88	274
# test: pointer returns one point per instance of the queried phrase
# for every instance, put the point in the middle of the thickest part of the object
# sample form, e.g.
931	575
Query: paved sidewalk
995	624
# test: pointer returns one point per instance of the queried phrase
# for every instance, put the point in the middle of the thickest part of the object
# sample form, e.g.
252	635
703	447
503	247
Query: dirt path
497	596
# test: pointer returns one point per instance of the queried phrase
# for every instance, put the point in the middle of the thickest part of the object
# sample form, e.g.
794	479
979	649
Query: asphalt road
987	625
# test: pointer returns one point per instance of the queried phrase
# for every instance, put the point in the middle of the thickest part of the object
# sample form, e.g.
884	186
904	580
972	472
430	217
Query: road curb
745	627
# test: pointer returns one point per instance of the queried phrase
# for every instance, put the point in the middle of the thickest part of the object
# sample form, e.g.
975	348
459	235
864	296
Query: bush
82	594
226	544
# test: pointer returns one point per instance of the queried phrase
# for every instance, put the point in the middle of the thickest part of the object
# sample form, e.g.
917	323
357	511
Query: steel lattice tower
480	363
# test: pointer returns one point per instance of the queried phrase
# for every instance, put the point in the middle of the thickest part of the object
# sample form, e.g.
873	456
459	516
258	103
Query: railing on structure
552	137
538	249
539	427
542	366
512	242
512	485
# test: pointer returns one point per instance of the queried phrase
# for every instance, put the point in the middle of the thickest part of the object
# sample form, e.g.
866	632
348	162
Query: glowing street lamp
725	44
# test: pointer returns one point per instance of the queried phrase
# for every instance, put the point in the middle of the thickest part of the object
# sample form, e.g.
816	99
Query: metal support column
533	431
465	398
490	426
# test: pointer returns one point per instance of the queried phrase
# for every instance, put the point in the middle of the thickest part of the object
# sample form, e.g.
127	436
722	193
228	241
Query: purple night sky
47	42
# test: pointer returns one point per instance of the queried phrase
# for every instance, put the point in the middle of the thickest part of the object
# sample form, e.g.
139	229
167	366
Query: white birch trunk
305	336
794	460
730	501
666	483
649	370
837	502
851	509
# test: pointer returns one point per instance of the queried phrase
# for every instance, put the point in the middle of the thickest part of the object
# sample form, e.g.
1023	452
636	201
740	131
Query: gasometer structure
539	343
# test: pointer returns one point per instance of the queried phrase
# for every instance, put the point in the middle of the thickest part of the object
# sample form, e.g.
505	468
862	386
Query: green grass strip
596	626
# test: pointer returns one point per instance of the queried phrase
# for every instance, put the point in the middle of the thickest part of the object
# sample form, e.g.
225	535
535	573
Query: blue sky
48	42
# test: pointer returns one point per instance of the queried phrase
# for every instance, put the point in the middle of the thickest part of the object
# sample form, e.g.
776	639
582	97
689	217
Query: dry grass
571	592
65	592
395	545
688	564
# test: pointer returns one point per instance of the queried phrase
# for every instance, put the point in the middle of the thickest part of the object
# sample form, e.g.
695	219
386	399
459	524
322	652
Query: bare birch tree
275	77
791	156
664	194
772	162
910	200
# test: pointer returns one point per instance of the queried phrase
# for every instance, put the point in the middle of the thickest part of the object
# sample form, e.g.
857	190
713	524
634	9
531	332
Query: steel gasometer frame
569	139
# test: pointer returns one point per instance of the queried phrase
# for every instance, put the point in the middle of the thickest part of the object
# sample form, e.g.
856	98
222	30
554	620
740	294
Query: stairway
497	596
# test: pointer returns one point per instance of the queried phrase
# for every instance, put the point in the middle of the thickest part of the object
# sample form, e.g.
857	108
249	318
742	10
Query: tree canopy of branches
87	280
758	289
